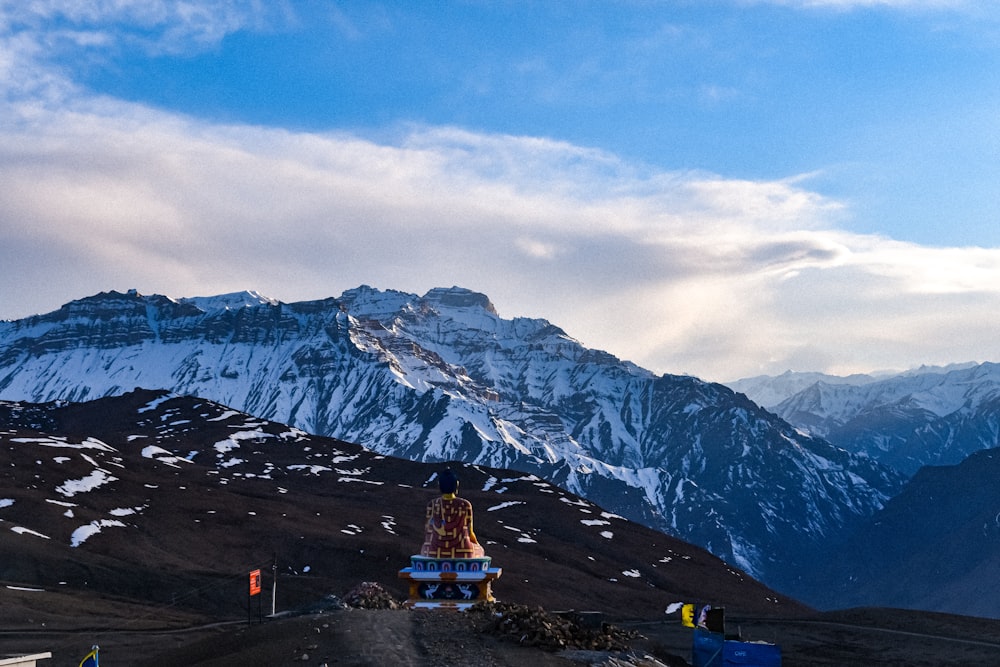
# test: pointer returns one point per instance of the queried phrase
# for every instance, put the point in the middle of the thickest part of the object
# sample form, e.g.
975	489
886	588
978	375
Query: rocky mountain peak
459	297
231	301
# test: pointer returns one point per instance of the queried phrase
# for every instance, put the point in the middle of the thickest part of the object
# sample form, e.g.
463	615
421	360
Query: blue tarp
710	649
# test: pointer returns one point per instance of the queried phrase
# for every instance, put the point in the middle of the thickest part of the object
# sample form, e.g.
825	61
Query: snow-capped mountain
444	377
927	416
770	390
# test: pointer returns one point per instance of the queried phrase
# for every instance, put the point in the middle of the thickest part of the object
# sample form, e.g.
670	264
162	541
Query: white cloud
681	272
678	271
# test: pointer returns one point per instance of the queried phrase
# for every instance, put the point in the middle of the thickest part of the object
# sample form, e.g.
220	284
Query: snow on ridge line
155	403
225	415
232	301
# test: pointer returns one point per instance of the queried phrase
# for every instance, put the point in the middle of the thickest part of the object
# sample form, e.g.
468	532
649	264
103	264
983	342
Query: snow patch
224	416
163	456
125	511
506	504
155	403
233	441
84	533
54	441
358	479
92	481
27	531
595	522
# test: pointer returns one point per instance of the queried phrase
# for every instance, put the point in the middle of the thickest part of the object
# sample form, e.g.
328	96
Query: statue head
447	481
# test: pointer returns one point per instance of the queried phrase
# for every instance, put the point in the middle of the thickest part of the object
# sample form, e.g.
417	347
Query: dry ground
357	637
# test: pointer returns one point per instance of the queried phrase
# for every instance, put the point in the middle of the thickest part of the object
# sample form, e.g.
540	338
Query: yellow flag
687	615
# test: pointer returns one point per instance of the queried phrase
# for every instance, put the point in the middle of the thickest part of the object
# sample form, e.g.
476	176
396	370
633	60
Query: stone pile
370	595
533	626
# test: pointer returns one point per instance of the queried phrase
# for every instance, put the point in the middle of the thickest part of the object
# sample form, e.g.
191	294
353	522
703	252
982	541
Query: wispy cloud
39	39
158	26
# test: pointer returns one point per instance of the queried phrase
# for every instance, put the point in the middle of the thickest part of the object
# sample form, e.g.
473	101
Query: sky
720	188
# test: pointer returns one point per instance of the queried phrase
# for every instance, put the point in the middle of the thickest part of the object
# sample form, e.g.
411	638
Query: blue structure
449	583
711	649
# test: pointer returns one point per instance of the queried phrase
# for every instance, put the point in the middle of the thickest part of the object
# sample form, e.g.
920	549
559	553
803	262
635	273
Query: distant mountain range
927	416
442	377
934	546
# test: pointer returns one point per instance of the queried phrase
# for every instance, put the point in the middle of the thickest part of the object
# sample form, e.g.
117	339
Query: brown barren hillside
133	522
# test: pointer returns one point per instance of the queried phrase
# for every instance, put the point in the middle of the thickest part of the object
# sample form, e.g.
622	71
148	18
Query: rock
536	627
370	595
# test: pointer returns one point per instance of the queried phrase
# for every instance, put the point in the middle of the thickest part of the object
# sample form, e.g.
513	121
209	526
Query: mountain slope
934	546
166	502
443	377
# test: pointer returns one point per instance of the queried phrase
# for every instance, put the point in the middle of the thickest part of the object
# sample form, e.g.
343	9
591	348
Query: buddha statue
448	532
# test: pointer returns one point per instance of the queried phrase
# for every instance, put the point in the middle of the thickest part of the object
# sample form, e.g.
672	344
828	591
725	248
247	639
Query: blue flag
91	659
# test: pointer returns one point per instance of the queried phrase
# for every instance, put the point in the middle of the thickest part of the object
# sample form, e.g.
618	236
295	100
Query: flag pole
274	582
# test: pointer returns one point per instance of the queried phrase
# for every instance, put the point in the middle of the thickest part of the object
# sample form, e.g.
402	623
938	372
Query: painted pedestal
449	583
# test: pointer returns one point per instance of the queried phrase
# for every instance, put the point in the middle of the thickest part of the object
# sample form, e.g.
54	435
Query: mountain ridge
444	377
925	416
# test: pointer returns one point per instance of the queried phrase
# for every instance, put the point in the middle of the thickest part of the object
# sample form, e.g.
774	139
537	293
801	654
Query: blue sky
720	187
878	98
